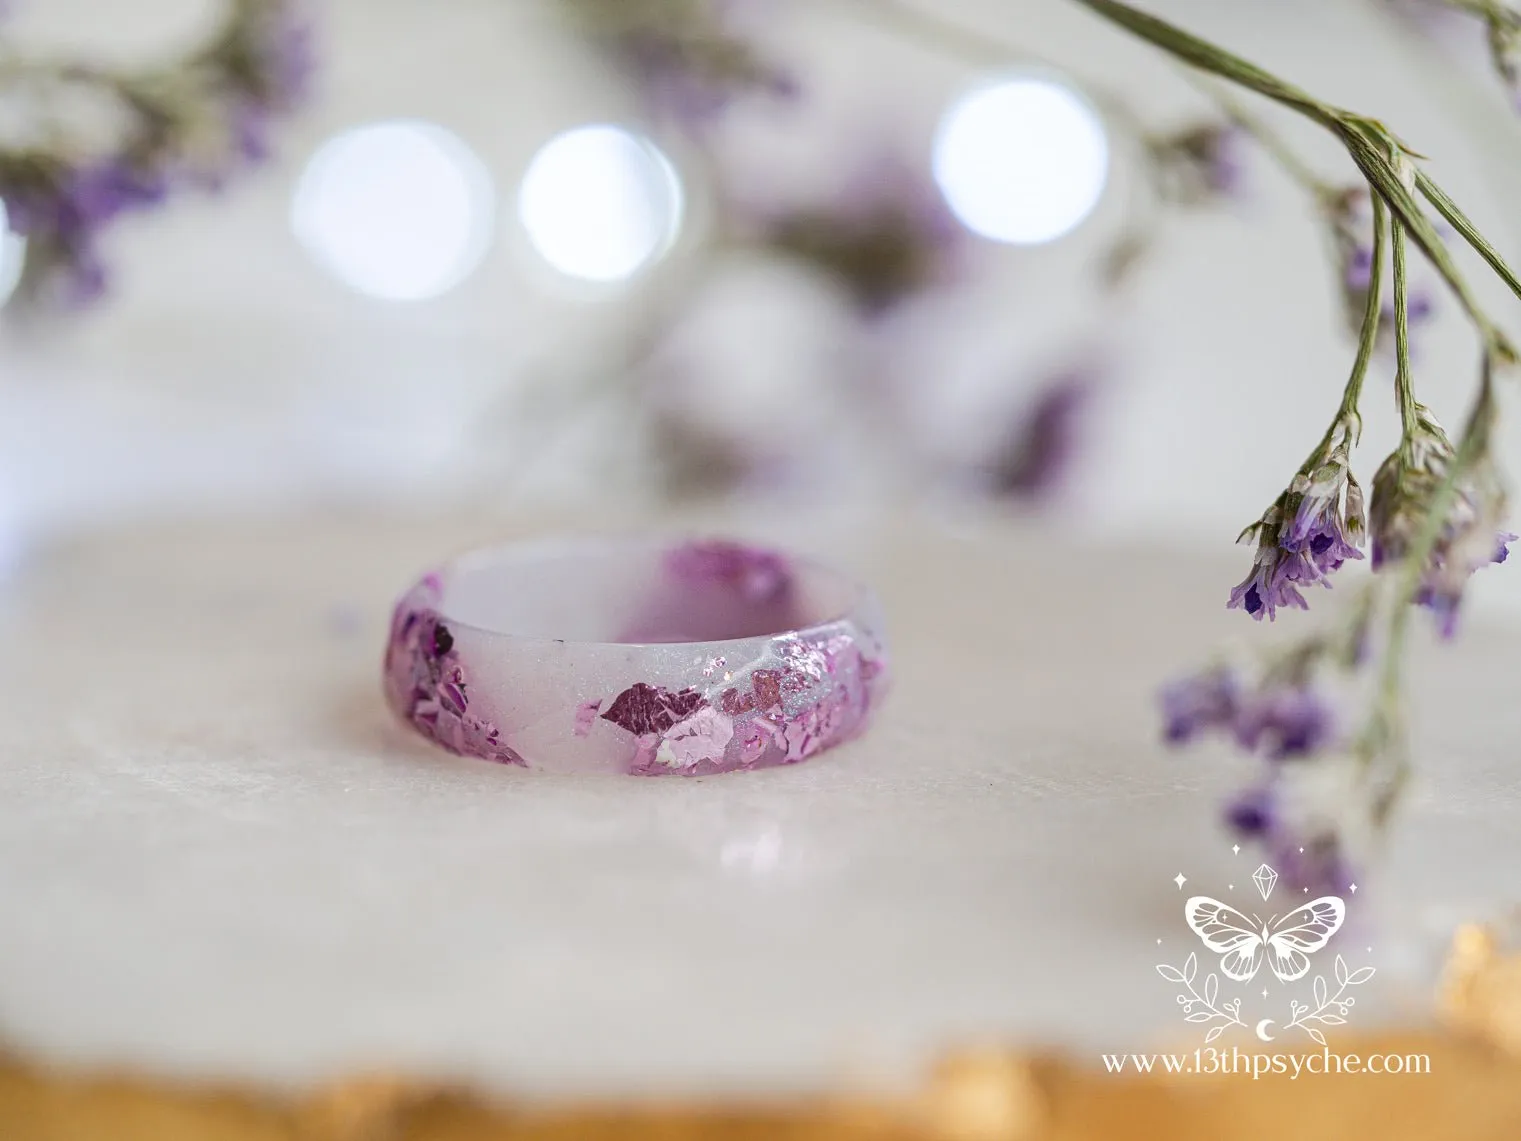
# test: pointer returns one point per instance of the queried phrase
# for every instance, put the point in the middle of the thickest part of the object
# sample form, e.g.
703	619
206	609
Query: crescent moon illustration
1262	1030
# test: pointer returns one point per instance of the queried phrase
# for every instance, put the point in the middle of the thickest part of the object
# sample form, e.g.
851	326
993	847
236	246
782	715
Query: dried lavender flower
192	124
1200	164
1503	31
1405	491
689	59
1310	530
1281	715
886	235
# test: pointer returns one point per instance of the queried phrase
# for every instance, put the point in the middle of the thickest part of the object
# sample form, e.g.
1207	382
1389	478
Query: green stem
979	47
1267	138
1373	312
1367	341
1460	222
1404	381
1371	146
1208	57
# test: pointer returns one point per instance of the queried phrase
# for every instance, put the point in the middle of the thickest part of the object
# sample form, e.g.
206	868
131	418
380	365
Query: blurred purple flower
193	133
885	236
1470	538
1288	721
1205	701
1040	452
689	61
1279	719
1311	529
1311	860
1201	164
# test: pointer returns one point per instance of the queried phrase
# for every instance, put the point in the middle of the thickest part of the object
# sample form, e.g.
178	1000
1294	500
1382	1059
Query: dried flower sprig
1435	514
190	124
1502	29
688	58
1318	523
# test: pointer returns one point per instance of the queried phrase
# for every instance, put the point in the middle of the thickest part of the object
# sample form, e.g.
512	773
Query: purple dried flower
1280	717
1404	490
1310	859
1287	721
1200	164
1314	527
190	132
1205	701
886	236
1252	814
689	61
1273	582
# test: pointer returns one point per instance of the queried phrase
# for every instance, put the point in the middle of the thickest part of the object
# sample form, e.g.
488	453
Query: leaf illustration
1199	1016
1213	1034
1361	975
1333	1020
1191	967
1341	971
1211	988
1320	990
1171	974
1316	1035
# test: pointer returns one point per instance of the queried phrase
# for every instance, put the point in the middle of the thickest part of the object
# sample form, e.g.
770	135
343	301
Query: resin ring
636	657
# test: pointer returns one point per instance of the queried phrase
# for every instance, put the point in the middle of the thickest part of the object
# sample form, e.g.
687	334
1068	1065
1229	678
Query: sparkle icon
1265	878
1180	879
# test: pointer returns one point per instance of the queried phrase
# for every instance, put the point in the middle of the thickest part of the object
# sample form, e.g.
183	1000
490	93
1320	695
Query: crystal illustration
1265	877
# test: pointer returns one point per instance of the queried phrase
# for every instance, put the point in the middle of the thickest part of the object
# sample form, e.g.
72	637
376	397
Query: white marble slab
219	856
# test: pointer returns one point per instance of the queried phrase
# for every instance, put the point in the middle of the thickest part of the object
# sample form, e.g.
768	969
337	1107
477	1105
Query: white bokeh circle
401	210
1022	161
600	203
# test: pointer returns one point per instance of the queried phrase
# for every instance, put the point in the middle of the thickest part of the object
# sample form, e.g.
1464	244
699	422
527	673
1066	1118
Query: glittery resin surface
692	658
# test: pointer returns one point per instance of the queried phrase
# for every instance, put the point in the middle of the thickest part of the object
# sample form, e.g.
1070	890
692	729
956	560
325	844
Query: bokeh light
600	203
1021	161
400	210
12	253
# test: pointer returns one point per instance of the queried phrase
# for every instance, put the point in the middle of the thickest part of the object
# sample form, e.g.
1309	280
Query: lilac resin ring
636	657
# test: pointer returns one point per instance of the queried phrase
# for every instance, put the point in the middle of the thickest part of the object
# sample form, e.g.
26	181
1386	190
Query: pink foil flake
755	737
425	683
817	727
586	716
642	709
756	574
701	737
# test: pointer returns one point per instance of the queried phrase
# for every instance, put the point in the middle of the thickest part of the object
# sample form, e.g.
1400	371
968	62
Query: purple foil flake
818	726
765	695
757	575
426	684
644	709
586	715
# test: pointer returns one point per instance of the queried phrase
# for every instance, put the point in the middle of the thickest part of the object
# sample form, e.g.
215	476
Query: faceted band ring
636	657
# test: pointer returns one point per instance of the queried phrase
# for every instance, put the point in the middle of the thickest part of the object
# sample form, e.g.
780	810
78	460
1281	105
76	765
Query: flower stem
1373	312
1404	381
1375	150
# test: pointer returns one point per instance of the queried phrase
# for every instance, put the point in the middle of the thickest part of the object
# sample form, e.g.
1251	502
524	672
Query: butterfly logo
1285	943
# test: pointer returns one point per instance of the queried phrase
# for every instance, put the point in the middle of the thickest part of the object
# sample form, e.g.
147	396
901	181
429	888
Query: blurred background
545	254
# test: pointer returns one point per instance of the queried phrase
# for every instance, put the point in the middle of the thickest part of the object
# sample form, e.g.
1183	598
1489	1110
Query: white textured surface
218	855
